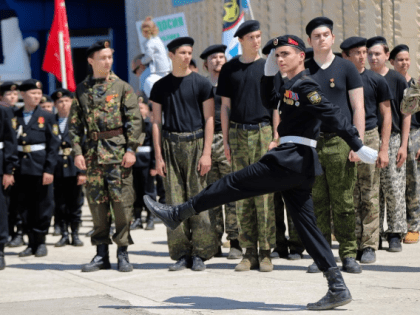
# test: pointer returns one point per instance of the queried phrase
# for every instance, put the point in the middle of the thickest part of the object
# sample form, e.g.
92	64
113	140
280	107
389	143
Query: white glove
271	68
367	155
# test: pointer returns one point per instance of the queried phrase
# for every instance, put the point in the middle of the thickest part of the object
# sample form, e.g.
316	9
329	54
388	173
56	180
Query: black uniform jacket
302	108
42	128
65	163
146	159
8	154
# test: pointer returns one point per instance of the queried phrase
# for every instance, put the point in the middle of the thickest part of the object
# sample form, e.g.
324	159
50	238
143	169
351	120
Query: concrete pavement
55	284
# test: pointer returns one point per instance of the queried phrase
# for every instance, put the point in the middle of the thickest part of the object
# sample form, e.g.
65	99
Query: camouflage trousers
256	218
219	168
366	198
334	190
110	185
195	236
282	243
392	192
412	193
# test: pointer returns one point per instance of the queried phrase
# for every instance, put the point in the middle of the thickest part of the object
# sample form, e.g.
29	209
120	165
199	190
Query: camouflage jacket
101	105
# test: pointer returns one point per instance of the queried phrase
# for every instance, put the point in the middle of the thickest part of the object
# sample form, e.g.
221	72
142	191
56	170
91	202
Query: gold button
24	135
64	157
23	142
65	165
64	143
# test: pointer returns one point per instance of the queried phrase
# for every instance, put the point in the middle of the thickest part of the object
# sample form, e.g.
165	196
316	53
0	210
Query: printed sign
178	3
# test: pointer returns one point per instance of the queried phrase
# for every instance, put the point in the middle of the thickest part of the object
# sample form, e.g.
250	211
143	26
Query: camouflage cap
411	101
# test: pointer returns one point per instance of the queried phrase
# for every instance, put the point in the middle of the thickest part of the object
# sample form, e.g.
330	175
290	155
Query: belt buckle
26	148
244	126
94	136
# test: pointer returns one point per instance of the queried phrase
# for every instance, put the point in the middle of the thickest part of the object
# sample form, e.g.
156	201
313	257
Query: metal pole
250	10
62	60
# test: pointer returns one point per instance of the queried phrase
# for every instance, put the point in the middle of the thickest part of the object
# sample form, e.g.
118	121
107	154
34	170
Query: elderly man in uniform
400	59
8	159
106	108
183	151
291	167
37	133
377	96
214	58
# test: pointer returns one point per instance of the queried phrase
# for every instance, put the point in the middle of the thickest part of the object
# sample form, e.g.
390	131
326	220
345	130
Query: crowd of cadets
188	146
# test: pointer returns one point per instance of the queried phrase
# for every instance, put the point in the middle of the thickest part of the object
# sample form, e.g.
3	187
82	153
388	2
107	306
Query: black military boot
41	248
136	225
17	239
171	216
150	222
30	250
394	241
183	263
100	261
368	256
64	240
75	240
313	268
337	294
198	264
123	262
351	266
57	229
2	261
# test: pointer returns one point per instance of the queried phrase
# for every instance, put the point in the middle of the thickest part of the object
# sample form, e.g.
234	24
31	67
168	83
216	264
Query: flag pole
62	60
250	9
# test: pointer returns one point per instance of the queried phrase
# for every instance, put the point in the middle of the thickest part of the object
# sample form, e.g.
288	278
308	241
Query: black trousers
15	218
4	223
144	184
266	176
35	203
160	189
68	200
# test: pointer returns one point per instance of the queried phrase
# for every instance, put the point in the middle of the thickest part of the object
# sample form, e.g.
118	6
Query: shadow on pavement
41	266
390	268
160	243
149	253
215	303
151	266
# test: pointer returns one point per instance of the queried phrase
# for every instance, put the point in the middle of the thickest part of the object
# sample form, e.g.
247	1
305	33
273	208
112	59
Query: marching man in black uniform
37	133
291	167
68	179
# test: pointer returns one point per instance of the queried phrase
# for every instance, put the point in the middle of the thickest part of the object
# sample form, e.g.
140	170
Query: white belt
31	148
144	149
298	140
1	145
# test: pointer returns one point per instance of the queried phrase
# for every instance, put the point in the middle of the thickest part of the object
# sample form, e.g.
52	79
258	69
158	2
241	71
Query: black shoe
279	253
123	262
75	240
30	250
171	216
183	263
313	268
350	265
41	250
394	241
235	251
89	234
294	256
100	261
57	230
27	252
2	261
16	241
337	294
368	256
136	225
63	241
150	224
198	264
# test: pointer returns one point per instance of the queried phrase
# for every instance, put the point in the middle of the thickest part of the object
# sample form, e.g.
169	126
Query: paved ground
55	285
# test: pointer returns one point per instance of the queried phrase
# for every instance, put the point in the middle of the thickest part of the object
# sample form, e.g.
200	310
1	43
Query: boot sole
96	269
126	269
148	203
329	306
394	250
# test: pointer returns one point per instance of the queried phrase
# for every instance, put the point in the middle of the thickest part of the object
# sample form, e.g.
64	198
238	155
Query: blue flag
233	17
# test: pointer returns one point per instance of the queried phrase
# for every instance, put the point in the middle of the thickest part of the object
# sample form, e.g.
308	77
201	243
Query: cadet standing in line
183	151
68	179
247	136
8	159
393	177
47	103
38	142
214	58
9	93
291	167
377	96
400	59
107	107
342	85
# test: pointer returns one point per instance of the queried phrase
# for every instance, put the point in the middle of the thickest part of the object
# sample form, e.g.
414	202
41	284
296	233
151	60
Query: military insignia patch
314	97
13	87
275	41
59	94
39	85
14	123
292	42
55	129
43	99
106	44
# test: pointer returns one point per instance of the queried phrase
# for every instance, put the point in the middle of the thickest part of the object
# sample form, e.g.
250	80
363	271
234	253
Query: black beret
309	53
397	49
353	42
317	22
30	84
247	27
46	98
180	41
8	86
59	93
212	50
102	44
285	40
375	41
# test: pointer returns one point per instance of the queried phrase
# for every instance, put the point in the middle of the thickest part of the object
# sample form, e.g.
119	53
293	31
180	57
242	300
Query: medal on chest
291	98
332	84
41	121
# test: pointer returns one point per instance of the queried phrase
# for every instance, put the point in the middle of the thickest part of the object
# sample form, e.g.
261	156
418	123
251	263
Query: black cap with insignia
212	50
247	27
285	40
46	98
318	22
59	93
397	49
30	84
99	45
8	86
353	42
180	41
377	40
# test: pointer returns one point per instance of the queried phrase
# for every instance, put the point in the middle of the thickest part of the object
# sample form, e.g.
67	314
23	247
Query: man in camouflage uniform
105	107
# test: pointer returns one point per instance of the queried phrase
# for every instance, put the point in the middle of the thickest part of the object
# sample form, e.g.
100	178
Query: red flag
52	54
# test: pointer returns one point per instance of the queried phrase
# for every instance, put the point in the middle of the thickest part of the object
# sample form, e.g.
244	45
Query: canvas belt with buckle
95	136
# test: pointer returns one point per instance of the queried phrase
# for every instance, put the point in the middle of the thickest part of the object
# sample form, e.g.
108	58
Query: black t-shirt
415	118
335	81
375	90
182	101
217	111
241	83
397	84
